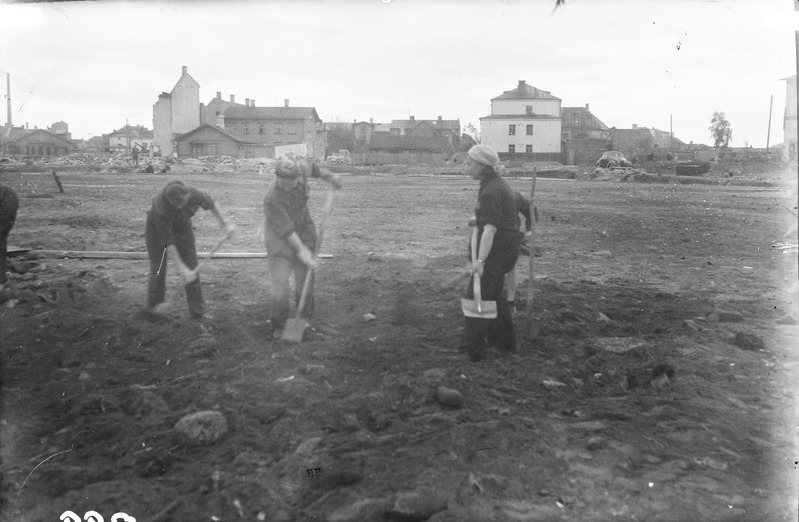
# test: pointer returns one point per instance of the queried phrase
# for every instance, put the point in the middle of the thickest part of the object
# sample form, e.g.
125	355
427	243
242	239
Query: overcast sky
97	65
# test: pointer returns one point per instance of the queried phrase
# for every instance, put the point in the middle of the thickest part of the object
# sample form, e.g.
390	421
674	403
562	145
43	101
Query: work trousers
8	214
156	249
280	269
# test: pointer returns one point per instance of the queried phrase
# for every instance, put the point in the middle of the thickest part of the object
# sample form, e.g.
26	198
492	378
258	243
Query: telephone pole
768	134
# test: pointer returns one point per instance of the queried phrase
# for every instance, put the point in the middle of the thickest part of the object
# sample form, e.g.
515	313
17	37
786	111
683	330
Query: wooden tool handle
477	293
309	274
476	276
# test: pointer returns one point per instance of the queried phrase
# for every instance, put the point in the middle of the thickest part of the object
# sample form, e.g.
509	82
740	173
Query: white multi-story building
524	121
789	122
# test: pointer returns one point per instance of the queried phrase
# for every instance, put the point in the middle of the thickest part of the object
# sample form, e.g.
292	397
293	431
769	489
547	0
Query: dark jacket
286	212
496	205
167	218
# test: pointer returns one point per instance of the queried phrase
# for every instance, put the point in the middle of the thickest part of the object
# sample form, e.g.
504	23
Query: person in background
290	235
496	219
169	230
9	203
135	154
512	278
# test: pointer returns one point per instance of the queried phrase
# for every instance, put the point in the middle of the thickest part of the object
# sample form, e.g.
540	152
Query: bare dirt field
662	385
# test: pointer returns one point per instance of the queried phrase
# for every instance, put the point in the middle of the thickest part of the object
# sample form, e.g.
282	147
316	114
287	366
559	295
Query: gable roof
452	125
383	141
580	118
229	133
133	131
525	92
185	77
338	126
14	133
242	112
37	131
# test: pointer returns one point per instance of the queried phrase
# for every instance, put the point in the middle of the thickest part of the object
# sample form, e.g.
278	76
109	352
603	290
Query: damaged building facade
585	138
183	127
176	112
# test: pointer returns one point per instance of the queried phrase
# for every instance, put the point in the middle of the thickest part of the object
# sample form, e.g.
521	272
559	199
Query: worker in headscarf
497	251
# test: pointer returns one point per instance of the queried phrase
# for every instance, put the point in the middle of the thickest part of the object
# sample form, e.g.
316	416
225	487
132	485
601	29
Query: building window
529	130
529	149
511	130
278	128
245	128
512	149
261	128
230	125
529	110
292	128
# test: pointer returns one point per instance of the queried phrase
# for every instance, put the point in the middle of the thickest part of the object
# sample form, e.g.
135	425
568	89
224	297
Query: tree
338	139
720	130
473	132
466	143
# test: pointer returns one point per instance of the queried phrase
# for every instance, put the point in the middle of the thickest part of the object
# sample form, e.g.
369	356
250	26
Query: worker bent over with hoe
169	231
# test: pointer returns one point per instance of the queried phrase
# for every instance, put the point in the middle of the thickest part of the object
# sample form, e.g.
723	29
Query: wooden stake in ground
58	182
532	323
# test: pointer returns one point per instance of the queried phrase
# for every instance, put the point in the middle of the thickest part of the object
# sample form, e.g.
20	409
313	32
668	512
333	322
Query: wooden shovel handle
475	275
309	274
478	298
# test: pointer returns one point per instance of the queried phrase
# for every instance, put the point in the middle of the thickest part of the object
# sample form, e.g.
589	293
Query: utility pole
796	10
8	100
768	134
671	136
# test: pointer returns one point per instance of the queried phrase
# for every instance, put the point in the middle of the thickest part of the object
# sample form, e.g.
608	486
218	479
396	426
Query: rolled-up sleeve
202	199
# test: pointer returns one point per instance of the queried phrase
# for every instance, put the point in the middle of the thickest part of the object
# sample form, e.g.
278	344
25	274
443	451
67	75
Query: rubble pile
342	158
122	162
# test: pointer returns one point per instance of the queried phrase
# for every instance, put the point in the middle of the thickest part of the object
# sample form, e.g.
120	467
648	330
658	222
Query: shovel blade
479	309
294	329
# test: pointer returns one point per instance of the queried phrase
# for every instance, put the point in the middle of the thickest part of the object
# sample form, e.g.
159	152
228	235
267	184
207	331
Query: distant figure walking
8	214
512	278
135	154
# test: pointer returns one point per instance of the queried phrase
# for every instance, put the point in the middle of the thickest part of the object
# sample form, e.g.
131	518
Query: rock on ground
203	427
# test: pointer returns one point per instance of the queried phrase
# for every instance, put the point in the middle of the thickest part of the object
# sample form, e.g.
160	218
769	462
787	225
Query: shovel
201	264
478	308
295	327
213	251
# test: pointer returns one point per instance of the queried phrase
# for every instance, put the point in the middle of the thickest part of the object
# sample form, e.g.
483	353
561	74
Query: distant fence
521	157
399	158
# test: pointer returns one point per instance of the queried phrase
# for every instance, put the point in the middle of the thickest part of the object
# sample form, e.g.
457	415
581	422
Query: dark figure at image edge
169	231
9	203
496	215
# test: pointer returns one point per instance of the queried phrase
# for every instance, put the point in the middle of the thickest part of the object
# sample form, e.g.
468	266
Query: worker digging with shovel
494	251
291	238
